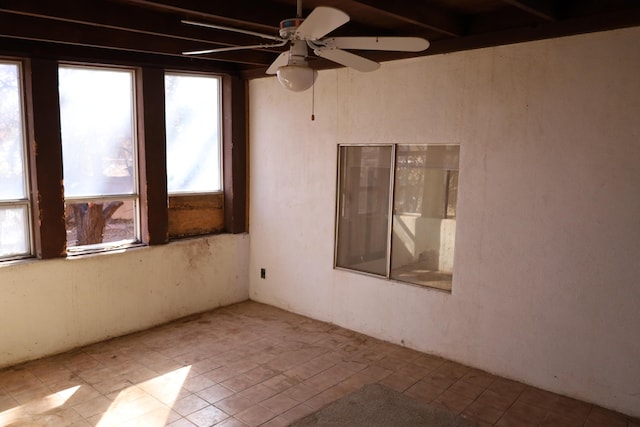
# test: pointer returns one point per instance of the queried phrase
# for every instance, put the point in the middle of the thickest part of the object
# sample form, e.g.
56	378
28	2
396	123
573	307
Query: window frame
44	147
192	214
391	211
136	196
220	124
26	201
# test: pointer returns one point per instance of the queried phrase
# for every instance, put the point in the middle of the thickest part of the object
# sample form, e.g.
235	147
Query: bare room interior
250	213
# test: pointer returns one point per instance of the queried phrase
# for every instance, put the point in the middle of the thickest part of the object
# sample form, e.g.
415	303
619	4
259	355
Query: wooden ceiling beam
261	16
545	30
541	9
15	47
121	17
421	15
266	19
151	32
41	29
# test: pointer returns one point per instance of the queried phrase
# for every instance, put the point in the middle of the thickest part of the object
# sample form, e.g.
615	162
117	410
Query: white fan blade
281	60
321	22
235	30
232	48
400	44
348	59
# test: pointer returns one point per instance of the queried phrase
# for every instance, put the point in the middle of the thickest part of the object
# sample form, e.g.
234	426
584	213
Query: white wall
50	306
547	273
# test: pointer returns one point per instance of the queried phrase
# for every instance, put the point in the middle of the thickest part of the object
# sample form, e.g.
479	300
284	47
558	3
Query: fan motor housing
289	26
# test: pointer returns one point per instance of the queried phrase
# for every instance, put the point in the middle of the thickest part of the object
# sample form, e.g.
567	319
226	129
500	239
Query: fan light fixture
291	66
296	77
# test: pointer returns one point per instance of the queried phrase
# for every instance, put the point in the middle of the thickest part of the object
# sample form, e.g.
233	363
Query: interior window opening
397	212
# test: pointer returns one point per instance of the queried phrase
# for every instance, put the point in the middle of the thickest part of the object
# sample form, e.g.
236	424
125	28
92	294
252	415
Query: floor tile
279	403
398	382
234	404
207	416
559	419
464	388
189	405
257	393
215	393
231	422
239	383
250	364
424	392
496	400
297	412
453	402
280	383
95	406
478	378
182	422
278	421
536	397
522	414
476	411
255	415
301	392
376	372
600	417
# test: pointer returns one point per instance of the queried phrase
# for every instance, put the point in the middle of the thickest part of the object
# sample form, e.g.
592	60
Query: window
193	134
363	212
194	166
15	229
397	212
99	153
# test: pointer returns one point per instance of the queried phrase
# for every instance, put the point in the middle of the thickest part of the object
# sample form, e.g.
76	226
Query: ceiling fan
292	68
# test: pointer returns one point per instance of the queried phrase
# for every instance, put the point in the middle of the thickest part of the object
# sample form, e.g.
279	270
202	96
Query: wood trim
152	157
420	14
42	113
194	215
234	113
225	212
541	9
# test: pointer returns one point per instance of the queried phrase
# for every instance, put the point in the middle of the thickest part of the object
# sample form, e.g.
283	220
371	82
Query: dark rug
378	406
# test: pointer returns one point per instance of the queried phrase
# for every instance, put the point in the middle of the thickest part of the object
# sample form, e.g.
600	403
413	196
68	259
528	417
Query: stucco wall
546	279
47	307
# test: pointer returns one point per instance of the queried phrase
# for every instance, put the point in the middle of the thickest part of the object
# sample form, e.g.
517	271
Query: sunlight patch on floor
37	406
155	397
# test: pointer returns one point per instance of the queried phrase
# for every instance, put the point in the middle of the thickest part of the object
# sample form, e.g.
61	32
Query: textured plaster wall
50	306
546	285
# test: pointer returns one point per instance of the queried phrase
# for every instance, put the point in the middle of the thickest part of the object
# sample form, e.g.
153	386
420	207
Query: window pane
99	156
97	126
12	170
193	133
14	234
424	224
100	222
363	208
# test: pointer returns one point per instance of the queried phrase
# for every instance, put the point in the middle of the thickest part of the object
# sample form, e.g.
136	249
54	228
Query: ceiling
151	31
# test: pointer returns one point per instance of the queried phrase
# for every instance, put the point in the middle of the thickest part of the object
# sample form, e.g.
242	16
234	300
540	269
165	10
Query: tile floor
250	364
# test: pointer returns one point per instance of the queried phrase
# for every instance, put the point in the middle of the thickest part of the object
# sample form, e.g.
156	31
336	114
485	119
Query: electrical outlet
263	273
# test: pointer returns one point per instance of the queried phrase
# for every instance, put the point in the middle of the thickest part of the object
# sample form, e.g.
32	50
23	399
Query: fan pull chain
313	101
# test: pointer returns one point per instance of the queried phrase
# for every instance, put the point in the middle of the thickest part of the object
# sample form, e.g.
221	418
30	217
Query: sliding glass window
397	212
